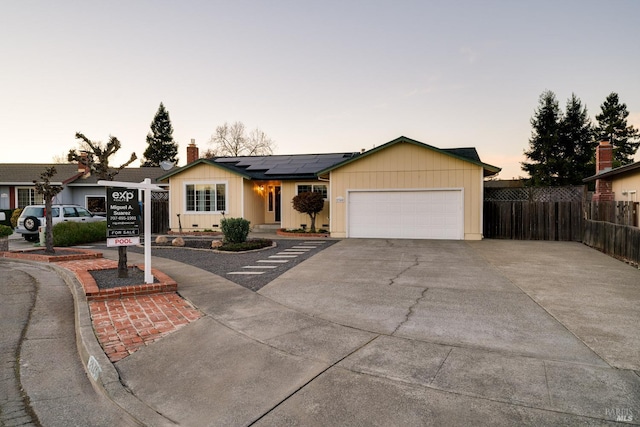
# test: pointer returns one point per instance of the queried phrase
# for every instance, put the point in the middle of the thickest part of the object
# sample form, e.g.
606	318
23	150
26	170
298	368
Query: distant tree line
562	144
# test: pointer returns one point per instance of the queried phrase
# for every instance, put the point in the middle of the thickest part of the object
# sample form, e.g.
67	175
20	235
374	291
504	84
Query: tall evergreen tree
161	146
576	143
544	153
612	125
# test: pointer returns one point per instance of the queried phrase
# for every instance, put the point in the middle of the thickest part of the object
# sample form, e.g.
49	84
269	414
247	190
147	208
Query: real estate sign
123	216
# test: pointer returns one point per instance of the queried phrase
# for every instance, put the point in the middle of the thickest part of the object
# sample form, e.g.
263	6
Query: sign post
147	187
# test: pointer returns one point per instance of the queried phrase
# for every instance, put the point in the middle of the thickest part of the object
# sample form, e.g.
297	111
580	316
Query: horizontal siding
201	221
627	184
407	166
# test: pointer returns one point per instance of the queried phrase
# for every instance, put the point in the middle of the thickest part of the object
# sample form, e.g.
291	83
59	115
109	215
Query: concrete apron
403	332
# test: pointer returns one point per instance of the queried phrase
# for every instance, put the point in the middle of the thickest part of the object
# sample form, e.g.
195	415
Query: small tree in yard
49	192
95	155
310	203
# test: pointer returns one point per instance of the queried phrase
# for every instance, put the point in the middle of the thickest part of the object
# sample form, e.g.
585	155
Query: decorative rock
216	244
161	239
178	241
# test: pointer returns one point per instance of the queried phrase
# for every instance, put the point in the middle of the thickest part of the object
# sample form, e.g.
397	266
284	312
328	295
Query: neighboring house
402	189
17	189
621	184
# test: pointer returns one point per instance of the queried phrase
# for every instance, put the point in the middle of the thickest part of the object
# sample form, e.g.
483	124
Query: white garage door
415	214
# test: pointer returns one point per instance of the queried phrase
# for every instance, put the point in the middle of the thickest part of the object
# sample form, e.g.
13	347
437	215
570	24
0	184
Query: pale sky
317	77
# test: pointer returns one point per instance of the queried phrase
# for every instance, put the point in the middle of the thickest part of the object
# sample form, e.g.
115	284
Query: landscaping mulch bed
108	278
188	243
195	243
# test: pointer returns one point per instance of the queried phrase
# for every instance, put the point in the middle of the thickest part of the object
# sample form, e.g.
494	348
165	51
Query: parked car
34	216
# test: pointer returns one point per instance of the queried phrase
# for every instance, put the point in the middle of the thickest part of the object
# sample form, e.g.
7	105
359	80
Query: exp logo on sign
124	196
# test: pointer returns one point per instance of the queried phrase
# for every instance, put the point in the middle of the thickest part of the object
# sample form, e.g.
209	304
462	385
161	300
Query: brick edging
162	283
26	255
283	232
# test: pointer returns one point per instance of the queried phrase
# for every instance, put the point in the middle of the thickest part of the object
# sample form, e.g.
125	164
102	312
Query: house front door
277	204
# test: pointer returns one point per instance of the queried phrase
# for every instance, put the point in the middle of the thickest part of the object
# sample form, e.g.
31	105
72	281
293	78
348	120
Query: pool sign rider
123	217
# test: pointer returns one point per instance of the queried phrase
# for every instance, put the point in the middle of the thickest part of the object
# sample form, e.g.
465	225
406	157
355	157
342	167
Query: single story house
17	189
621	184
402	189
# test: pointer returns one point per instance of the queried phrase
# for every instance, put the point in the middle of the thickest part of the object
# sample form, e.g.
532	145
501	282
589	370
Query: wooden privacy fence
623	213
563	214
620	241
530	220
159	212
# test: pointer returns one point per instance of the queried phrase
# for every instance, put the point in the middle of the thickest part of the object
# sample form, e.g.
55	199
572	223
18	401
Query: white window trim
38	199
226	197
326	184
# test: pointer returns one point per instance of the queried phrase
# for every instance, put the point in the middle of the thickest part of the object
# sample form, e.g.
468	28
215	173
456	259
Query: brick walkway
123	325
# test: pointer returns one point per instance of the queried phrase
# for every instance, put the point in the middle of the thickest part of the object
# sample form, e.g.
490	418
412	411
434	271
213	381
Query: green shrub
76	233
235	230
14	217
5	230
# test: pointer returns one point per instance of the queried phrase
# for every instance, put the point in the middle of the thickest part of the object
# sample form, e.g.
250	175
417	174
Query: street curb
101	372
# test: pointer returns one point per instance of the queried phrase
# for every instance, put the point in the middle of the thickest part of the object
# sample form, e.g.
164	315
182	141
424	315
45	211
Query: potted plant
5	232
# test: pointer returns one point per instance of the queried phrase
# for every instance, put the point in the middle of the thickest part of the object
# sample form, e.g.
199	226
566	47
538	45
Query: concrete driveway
402	332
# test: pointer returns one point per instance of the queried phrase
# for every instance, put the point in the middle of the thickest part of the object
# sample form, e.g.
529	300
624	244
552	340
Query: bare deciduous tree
49	192
96	155
233	140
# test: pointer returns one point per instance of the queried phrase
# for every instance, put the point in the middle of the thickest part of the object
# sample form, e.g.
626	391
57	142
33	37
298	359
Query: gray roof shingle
26	173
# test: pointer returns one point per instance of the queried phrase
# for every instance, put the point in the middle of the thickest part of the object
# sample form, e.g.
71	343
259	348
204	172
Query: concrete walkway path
403	332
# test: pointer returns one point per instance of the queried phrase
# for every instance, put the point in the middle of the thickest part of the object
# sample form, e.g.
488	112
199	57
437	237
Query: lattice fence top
159	195
535	194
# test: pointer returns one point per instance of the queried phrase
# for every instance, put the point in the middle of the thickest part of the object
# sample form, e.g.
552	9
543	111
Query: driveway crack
392	281
411	310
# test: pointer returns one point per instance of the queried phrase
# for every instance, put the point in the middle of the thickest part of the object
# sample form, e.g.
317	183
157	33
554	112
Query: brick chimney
193	153
83	163
604	162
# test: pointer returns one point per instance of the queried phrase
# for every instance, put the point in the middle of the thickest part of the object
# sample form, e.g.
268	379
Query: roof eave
210	162
486	167
613	172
